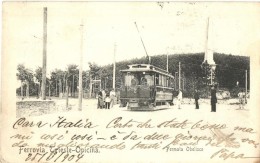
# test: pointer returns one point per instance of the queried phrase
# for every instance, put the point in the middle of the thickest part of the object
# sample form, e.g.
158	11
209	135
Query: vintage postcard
130	82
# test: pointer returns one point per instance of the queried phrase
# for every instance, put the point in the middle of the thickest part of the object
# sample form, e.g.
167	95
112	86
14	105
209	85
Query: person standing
179	99
107	100
196	97
112	97
103	97
241	96
213	99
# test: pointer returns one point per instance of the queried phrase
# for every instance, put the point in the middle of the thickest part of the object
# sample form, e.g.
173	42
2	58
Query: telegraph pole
175	82
80	68
50	90
167	62
90	85
67	93
211	76
44	53
246	87
183	80
114	68
72	89
179	76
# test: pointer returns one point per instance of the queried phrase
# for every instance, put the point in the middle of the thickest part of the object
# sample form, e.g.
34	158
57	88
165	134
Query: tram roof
146	68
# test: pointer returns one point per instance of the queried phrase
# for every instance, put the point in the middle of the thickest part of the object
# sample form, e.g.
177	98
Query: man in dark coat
196	97
213	99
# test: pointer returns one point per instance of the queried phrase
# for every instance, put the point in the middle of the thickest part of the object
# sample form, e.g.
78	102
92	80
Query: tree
57	77
38	76
25	75
73	73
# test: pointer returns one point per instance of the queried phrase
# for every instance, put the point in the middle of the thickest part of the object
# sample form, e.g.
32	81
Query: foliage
24	74
38	74
229	70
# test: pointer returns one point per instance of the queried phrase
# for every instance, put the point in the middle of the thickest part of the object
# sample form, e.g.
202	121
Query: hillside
229	70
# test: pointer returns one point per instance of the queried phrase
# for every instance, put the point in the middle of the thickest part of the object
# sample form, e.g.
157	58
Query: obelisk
208	56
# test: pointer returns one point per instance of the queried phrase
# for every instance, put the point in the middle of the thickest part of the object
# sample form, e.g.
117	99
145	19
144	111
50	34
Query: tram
146	87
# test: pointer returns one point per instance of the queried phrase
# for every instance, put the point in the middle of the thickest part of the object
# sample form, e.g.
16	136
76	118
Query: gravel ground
188	104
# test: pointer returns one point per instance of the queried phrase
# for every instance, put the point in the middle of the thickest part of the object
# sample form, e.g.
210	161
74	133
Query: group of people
106	99
213	99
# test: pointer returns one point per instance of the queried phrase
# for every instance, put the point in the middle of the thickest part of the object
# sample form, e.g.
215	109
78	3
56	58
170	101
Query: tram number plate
134	105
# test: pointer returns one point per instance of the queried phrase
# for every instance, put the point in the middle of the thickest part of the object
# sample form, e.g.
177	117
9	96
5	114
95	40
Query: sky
109	29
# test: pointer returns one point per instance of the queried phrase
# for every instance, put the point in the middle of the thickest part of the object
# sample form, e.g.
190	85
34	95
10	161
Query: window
156	79
128	79
138	78
149	78
164	81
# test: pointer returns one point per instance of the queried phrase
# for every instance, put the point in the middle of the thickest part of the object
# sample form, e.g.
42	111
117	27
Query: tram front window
133	79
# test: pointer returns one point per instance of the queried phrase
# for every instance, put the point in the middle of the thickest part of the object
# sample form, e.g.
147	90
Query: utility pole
105	83
175	81
50	90
44	53
80	68
67	93
114	68
211	76
183	79
39	90
246	87
72	90
167	62
179	76
56	90
90	84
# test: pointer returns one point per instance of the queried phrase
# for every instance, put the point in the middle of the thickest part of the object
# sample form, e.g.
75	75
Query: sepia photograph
163	81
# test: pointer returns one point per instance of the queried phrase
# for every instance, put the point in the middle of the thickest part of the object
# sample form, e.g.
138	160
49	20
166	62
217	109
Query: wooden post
49	90
179	76
56	93
80	69
183	80
211	75
73	90
246	88
90	85
167	63
114	68
60	88
39	90
175	81
67	94
105	83
44	53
